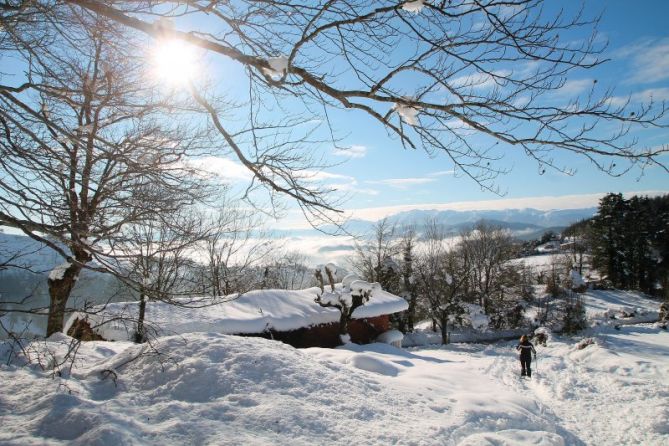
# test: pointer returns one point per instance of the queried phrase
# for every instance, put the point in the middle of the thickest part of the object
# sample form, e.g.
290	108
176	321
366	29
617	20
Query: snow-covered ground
207	388
602	307
212	388
544	263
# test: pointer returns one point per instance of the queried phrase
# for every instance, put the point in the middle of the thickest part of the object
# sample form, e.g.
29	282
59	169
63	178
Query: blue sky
386	175
379	177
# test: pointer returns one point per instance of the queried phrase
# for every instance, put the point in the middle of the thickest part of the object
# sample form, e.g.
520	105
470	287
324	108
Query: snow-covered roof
549	246
252	312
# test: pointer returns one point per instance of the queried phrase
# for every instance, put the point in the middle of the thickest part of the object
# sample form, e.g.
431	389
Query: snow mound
374	365
616	307
390	337
207	388
214	389
512	437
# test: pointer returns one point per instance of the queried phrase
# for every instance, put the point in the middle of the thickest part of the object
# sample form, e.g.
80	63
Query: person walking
526	350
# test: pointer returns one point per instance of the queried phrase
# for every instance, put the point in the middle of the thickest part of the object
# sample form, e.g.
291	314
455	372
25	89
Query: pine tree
409	291
609	236
630	242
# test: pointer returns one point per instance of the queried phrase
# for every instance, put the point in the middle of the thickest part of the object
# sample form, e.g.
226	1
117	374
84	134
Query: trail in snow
614	390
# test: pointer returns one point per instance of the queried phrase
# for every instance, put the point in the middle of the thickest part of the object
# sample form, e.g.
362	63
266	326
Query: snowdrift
209	388
206	388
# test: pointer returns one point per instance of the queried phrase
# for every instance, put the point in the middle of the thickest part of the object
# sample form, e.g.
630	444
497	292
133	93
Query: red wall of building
362	331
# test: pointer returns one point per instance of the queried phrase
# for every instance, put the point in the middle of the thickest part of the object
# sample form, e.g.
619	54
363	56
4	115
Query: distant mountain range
562	217
524	223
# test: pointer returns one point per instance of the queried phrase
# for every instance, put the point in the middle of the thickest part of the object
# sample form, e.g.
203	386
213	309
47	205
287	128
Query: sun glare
174	62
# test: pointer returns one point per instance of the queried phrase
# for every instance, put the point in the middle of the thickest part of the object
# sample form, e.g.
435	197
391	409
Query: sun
174	62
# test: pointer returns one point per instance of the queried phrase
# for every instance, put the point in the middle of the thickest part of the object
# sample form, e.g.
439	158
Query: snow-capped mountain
525	223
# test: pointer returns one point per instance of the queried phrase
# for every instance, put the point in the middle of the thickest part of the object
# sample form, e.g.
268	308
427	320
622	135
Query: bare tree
235	248
288	271
431	73
157	256
80	140
375	256
487	248
441	275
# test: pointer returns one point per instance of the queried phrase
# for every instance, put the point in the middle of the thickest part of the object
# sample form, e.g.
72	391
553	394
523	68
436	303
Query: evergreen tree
630	242
409	289
609	238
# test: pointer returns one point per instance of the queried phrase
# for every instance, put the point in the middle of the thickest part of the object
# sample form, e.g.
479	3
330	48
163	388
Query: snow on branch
278	67
408	113
415	6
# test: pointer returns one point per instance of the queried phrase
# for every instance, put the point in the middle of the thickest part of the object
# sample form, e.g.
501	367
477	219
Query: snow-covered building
548	247
290	316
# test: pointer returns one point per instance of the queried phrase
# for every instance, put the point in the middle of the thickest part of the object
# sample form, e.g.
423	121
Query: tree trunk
343	323
140	334
216	282
59	292
444	328
411	313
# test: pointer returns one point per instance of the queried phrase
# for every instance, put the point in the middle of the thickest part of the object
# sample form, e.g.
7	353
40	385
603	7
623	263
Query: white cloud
479	80
441	173
321	175
402	183
338	182
354	188
650	60
227	170
574	87
355	151
645	96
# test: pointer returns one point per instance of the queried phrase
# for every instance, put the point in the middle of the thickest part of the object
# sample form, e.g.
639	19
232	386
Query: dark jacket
526	349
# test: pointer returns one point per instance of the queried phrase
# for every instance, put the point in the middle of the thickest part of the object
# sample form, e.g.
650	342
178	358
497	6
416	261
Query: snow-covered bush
353	293
553	285
392	337
574	315
585	342
507	317
475	317
664	312
541	336
576	282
